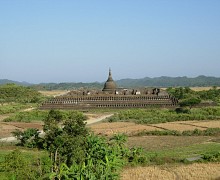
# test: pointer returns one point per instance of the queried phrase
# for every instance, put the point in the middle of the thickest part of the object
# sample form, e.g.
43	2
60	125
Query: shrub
211	157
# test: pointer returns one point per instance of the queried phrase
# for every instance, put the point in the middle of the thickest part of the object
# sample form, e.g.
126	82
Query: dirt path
93	120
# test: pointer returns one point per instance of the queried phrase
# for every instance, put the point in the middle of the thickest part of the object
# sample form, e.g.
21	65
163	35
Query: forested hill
163	81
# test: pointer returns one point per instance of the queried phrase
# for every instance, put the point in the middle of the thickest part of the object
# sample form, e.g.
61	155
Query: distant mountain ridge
163	81
7	81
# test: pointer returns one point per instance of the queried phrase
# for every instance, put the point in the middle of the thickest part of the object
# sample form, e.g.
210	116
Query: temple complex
112	97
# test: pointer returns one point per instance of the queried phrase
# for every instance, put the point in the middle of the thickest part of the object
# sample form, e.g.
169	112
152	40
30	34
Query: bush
211	157
17	165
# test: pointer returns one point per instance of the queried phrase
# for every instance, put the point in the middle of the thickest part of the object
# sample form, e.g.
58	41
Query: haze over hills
7	81
162	81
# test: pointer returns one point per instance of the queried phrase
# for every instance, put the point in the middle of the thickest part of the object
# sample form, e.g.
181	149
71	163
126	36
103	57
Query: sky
77	41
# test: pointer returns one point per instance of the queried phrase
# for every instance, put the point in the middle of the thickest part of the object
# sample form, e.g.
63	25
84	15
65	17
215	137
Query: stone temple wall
109	101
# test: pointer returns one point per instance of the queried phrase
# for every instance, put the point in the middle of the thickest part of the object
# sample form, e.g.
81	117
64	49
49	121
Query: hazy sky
73	41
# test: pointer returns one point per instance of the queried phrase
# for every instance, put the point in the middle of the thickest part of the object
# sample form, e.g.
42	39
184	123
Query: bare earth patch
7	127
192	171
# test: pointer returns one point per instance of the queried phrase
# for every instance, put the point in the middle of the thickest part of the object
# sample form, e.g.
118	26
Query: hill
163	81
7	81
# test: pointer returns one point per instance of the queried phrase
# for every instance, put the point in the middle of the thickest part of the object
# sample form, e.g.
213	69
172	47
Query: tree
28	138
65	139
190	102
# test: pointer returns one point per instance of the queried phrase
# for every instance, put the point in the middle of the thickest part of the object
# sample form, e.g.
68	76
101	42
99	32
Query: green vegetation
24	165
68	150
29	138
35	115
14	98
211	156
27	116
153	116
187	94
14	93
15	107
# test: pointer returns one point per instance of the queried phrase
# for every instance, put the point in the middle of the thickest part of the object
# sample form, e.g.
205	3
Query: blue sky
73	41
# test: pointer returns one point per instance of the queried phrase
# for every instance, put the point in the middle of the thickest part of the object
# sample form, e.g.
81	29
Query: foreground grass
31	156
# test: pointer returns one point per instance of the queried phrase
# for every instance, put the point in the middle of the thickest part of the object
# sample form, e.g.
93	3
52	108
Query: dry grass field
202	88
207	124
54	92
130	128
195	171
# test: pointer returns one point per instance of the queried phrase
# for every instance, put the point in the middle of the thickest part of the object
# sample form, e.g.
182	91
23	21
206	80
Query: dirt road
93	120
